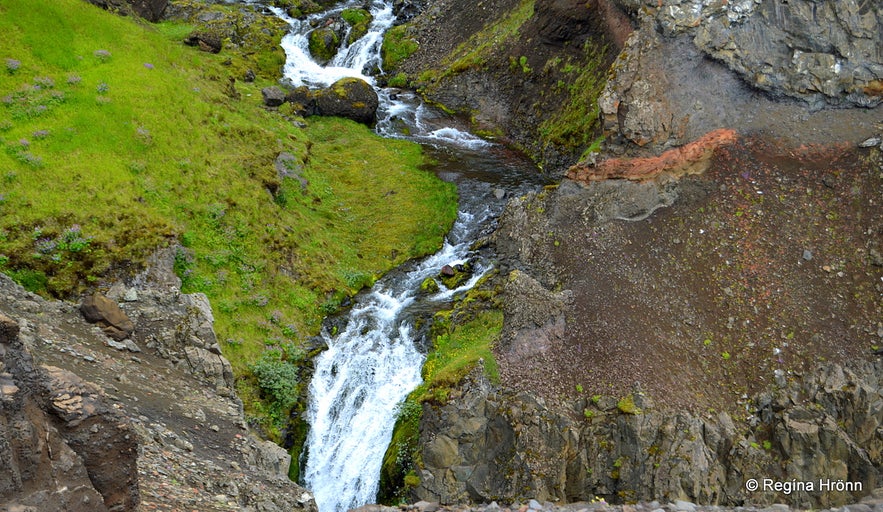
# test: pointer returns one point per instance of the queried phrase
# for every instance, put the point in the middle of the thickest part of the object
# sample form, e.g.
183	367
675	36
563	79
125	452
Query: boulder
351	98
98	309
303	100
151	10
323	44
205	41
273	96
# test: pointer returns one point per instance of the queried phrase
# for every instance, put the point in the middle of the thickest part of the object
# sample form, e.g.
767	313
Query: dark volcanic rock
151	10
205	41
351	98
273	96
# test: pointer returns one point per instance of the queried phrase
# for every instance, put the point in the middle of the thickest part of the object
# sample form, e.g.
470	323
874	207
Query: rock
289	166
516	437
205	41
684	506
100	310
692	158
323	44
807	255
352	98
303	100
792	49
869	143
273	96
151	10
429	285
68	449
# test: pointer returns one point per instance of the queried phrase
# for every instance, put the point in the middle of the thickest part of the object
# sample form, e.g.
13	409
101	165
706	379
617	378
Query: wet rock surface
92	426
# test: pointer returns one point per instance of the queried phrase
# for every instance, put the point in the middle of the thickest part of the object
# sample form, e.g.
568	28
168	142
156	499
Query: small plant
589	414
102	88
12	66
579	388
102	55
707	342
627	405
524	67
725	355
74	79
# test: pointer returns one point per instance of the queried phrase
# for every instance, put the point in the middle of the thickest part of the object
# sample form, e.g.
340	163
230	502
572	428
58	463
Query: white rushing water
372	365
368	370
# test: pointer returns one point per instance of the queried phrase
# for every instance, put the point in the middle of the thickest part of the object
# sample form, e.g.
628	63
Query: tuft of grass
106	158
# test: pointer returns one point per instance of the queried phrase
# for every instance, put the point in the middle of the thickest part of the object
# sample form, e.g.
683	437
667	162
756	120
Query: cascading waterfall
370	367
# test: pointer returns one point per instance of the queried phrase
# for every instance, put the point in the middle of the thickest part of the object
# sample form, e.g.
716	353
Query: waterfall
367	371
371	366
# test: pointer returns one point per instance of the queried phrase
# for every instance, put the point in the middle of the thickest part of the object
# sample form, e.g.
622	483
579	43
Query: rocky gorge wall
491	445
146	419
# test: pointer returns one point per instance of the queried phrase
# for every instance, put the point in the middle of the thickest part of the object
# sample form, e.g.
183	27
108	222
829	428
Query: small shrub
12	65
102	55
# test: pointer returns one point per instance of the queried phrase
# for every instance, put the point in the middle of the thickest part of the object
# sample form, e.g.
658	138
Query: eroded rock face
151	10
61	446
486	445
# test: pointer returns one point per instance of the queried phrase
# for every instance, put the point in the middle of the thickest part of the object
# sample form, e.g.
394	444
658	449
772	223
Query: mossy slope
118	140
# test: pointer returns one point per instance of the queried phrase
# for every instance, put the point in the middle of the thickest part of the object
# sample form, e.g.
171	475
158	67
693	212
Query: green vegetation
117	140
458	350
576	125
398	45
359	20
627	405
474	53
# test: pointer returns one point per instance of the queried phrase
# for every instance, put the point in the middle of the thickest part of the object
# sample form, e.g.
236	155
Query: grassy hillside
117	140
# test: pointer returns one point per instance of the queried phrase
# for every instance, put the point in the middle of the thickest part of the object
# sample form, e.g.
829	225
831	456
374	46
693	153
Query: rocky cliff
698	302
139	422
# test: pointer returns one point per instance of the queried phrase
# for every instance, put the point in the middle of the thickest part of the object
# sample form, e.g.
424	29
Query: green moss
576	125
323	44
397	475
397	46
627	405
359	20
457	351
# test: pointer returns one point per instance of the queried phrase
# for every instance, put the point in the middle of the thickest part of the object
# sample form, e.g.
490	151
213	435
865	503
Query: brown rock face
61	447
107	314
692	158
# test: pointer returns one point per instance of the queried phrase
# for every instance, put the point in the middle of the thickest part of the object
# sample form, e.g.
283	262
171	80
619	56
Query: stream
374	362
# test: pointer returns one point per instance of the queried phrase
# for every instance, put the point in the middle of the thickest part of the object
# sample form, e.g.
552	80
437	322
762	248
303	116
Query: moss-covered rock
323	44
429	285
352	98
359	20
